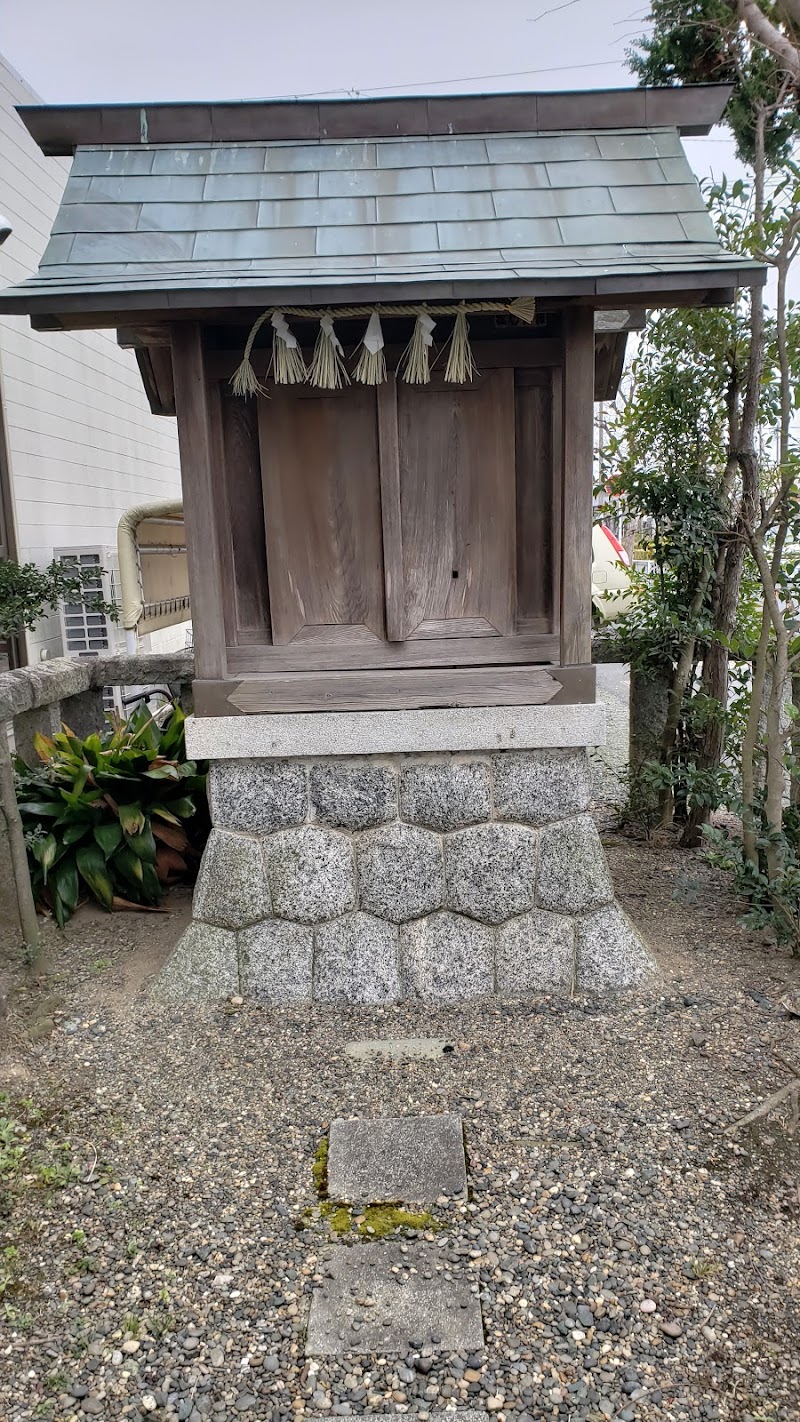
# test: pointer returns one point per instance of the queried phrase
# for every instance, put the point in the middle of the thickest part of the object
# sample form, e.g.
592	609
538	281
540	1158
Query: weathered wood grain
576	512
353	691
202	514
320	477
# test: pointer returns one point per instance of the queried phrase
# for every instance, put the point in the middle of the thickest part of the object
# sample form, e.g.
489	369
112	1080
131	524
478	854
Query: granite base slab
381	1298
408	1159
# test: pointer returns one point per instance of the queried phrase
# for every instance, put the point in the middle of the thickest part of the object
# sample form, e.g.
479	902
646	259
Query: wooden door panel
537	511
320	474
457	507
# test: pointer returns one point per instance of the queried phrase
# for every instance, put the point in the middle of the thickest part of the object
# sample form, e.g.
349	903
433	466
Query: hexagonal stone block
310	873
490	871
610	954
352	796
276	961
573	873
535	953
203	966
445	795
231	889
538	786
356	960
446	958
257	796
400	872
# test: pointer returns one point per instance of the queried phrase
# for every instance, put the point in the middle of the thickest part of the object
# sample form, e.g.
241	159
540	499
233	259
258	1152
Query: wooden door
321	484
457	508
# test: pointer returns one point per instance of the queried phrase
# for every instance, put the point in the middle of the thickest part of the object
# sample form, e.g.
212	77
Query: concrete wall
83	445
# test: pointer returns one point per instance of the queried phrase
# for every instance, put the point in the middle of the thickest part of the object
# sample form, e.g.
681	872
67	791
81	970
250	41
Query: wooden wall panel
578	454
245	519
456	465
320	475
536	514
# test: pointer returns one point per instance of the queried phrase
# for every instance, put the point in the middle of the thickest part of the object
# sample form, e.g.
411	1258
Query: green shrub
122	813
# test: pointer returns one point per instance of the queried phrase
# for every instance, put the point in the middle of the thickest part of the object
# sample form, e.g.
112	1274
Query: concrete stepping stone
378	1298
398	1048
409	1159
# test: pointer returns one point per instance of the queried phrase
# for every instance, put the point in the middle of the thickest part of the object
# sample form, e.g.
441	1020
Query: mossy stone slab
409	1159
378	1298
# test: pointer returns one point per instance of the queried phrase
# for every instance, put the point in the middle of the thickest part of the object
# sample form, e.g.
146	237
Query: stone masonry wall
369	880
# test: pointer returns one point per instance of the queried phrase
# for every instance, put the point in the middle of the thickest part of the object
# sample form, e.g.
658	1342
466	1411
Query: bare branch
764	32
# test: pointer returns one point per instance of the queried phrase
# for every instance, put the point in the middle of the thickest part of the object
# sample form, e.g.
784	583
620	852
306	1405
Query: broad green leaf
39	807
44	852
151	887
185	807
92	865
44	746
143	845
163	813
128	865
108	837
73	833
132	818
65	883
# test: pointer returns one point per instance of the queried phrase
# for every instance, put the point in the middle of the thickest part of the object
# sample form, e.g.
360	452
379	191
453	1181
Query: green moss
319	1170
338	1216
381	1220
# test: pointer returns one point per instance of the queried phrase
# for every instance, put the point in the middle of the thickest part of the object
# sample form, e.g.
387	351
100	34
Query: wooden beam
346	691
200	483
576	486
393	573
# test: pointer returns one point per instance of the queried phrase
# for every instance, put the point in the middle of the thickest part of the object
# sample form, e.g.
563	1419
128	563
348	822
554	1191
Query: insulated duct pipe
130	586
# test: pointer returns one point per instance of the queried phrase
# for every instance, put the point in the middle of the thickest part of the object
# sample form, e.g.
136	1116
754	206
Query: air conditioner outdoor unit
87	633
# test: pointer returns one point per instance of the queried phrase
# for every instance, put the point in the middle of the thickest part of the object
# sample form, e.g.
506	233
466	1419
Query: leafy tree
27	592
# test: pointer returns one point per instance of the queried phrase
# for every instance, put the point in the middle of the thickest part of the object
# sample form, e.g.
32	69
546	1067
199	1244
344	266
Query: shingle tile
676	170
698	226
182	160
626	145
552	202
151	188
246	187
647	227
605	171
462	178
409	152
91	162
97	217
435	207
539	148
132	246
221	246
525	231
374	182
57	251
402	237
319	157
313	212
240	158
196	216
680	197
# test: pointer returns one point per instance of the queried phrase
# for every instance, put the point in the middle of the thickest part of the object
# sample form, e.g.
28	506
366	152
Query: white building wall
83	445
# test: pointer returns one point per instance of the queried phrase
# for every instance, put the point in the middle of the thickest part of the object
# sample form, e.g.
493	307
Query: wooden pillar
200	479
576	486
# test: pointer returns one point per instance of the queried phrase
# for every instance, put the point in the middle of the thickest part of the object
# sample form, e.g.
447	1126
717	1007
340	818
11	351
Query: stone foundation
370	879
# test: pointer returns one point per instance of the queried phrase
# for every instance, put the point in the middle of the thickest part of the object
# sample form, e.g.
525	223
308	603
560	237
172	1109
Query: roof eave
59	129
51	310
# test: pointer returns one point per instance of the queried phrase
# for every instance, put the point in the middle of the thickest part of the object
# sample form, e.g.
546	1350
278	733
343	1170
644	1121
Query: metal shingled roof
426	209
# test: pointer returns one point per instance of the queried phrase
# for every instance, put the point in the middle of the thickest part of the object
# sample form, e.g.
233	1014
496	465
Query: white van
611	579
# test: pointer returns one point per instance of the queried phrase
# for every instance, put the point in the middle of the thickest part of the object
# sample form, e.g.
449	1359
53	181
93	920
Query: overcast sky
85	51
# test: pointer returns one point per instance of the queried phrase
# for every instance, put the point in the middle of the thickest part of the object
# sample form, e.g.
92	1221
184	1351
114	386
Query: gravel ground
632	1261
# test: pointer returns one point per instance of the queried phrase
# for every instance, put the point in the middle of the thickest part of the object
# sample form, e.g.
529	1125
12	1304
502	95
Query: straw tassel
461	365
328	370
524	308
371	366
244	380
287	365
416	358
